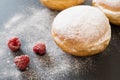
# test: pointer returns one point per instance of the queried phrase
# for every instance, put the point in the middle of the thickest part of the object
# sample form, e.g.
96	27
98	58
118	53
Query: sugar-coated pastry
60	4
81	30
111	8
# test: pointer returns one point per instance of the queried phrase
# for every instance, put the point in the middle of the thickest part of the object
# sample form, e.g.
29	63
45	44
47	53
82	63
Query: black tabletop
31	22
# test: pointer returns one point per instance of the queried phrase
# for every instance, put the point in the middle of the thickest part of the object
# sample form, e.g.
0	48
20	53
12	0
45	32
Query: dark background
31	22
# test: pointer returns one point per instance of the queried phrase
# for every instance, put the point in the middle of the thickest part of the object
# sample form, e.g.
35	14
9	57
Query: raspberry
22	61
14	44
40	48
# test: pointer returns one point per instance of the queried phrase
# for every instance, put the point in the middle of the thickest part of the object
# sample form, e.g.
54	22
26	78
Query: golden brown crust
60	4
81	49
85	52
86	32
113	5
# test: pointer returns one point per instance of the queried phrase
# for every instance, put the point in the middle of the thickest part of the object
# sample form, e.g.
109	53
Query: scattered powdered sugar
61	65
8	61
13	22
8	70
32	29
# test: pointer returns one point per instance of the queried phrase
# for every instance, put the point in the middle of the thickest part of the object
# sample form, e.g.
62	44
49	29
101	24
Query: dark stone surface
31	22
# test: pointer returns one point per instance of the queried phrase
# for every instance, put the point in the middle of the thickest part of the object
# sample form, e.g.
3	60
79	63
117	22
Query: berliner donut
60	4
81	30
111	8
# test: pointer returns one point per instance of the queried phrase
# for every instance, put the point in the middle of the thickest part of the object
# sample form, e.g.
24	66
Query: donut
81	30
111	8
60	4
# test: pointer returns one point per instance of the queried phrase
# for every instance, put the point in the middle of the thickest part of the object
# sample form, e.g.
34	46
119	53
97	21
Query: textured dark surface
31	22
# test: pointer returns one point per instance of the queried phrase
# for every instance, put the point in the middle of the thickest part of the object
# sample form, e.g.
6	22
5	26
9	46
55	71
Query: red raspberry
40	48
22	61
14	44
